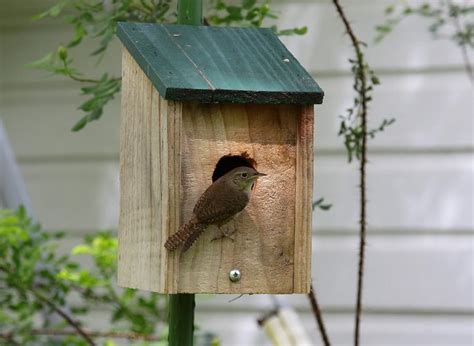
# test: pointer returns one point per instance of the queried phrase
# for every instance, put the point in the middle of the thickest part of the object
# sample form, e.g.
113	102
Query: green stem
181	306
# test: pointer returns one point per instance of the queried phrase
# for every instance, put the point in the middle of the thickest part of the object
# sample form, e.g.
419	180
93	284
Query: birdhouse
197	102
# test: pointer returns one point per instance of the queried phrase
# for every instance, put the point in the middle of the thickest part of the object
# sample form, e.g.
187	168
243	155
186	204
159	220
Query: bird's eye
244	175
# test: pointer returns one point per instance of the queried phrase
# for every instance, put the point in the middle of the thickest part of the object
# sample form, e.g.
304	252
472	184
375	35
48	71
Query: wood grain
263	249
304	199
149	182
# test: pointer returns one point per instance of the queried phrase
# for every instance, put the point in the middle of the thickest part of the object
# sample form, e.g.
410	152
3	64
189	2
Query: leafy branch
249	13
354	128
36	280
97	20
42	299
448	20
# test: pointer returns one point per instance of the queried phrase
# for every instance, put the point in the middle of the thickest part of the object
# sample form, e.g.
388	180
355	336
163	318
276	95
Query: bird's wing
219	203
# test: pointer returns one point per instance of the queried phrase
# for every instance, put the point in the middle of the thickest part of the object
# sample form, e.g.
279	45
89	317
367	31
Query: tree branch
58	310
464	51
65	316
319	317
361	75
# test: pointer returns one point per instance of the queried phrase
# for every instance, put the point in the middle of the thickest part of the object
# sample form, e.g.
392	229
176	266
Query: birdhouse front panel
263	245
173	150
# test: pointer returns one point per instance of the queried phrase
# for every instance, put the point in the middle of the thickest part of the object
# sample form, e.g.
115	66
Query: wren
225	198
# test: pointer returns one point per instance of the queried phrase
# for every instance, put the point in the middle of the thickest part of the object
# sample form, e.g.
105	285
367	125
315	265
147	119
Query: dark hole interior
229	162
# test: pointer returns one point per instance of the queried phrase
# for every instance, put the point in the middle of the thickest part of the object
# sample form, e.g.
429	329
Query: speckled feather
220	202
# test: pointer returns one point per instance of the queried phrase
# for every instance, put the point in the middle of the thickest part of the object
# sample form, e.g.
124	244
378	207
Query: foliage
448	20
249	13
351	125
97	19
38	282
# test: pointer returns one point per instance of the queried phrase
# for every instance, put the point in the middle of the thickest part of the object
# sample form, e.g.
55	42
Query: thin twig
95	334
319	317
464	51
363	161
65	316
83	80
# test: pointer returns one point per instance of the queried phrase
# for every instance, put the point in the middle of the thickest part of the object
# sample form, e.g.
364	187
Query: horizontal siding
327	48
50	112
377	330
406	193
419	274
406	274
416	275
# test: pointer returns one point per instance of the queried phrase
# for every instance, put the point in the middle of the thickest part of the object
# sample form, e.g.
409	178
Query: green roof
219	64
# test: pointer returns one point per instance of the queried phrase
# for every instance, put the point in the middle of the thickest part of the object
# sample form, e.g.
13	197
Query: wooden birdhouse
198	101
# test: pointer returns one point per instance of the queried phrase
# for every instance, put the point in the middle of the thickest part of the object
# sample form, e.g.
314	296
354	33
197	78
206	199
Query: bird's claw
224	234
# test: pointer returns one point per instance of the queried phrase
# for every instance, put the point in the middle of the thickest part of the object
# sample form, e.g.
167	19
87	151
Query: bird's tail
186	236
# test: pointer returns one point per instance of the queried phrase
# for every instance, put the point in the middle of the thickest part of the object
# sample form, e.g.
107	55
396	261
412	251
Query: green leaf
42	63
384	29
80	124
234	13
319	204
53	11
80	32
295	31
389	9
248	4
81	249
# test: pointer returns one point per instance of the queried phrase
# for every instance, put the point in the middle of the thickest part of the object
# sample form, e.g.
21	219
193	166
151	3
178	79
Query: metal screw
234	275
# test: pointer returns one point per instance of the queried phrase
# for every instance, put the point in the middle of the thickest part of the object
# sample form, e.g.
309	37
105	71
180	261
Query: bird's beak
259	174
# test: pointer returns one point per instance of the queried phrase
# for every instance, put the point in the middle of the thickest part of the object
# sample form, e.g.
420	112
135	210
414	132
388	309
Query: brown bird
226	197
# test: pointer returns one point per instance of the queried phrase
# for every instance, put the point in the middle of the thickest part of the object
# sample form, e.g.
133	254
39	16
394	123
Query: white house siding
419	274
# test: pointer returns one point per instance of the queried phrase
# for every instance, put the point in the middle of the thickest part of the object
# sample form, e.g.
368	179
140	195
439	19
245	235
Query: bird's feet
224	233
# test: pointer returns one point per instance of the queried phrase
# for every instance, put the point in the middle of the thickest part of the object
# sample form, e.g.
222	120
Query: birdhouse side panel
304	199
263	249
149	181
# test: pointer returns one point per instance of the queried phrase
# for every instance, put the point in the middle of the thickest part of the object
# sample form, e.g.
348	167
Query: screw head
234	275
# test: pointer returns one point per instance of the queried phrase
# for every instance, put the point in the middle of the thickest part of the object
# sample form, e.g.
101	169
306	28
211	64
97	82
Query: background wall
419	274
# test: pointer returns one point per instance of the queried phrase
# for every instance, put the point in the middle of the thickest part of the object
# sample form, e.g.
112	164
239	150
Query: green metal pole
190	12
181	320
181	306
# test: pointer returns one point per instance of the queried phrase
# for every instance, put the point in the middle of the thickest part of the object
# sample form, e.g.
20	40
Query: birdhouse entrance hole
228	162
